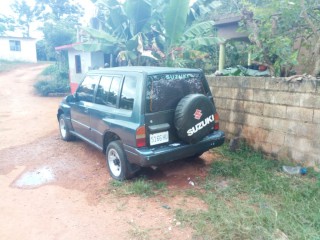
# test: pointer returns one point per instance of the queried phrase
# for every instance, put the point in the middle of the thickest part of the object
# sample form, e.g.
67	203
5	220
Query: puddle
36	178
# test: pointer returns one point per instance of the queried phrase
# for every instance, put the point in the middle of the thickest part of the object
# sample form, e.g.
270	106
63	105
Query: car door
80	114
106	102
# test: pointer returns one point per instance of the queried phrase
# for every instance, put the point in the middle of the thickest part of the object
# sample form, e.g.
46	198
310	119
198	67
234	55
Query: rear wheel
64	129
118	165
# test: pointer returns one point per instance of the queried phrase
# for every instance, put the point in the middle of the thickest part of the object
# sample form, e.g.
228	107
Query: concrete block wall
279	117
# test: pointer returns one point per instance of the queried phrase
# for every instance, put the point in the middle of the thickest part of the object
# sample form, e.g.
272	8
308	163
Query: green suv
142	116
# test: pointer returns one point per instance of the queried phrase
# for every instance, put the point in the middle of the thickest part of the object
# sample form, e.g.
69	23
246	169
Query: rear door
163	93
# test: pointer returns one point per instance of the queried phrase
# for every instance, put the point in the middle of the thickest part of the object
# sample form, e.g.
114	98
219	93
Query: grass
8	65
249	197
138	233
138	187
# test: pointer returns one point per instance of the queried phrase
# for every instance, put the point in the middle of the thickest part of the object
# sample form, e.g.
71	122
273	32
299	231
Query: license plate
157	138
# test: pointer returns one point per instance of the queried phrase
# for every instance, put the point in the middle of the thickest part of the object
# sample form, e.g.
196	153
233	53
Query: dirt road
50	189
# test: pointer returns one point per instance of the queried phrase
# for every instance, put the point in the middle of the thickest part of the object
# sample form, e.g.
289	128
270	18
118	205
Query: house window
15	45
78	63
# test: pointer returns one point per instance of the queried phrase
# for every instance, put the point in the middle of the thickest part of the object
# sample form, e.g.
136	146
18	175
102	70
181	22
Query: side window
114	91
128	93
86	89
103	90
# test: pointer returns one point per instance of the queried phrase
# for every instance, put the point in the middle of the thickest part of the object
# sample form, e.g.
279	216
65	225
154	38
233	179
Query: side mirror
71	98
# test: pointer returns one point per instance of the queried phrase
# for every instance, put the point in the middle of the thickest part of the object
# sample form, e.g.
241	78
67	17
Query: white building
80	62
18	49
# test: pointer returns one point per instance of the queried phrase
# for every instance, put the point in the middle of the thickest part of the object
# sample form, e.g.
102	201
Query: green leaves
101	35
175	20
199	29
94	47
146	31
200	35
139	13
199	42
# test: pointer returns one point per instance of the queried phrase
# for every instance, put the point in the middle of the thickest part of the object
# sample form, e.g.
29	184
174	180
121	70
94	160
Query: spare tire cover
194	117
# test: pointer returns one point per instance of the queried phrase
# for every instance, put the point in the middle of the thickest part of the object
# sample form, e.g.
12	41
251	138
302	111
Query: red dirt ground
72	200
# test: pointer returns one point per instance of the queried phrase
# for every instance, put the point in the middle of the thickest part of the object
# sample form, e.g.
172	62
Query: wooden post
222	56
249	58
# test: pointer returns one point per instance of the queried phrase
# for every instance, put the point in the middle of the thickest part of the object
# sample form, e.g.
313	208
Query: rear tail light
216	121
141	136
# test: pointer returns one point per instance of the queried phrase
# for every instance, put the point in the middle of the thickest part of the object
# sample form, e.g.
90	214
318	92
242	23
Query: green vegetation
8	65
139	187
249	197
59	19
53	80
282	33
162	32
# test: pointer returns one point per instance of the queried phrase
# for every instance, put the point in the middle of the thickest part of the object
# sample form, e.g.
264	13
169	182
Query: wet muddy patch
35	178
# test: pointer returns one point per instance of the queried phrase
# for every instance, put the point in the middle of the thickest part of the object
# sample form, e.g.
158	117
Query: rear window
164	91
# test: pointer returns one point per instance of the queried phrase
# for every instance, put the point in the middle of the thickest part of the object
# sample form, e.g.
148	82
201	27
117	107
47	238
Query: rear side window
164	91
103	90
86	89
114	91
128	93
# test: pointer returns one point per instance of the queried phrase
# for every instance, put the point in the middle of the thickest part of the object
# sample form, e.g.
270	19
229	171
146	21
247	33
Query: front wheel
118	165
64	130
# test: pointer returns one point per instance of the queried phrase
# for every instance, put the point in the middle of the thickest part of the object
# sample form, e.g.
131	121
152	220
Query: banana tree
120	29
147	32
187	39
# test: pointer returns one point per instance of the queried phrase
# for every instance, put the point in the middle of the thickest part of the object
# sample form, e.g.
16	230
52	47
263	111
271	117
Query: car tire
64	129
118	165
194	117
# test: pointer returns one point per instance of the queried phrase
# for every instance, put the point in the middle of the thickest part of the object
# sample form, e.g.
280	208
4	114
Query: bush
54	81
45	87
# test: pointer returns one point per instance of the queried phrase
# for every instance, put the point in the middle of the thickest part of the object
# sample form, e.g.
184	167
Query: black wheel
118	165
64	130
194	117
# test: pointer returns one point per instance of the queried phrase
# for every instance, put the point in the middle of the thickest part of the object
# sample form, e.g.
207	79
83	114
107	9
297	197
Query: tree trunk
316	57
314	28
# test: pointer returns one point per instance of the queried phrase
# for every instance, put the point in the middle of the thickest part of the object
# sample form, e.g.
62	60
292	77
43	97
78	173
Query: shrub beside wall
280	117
53	80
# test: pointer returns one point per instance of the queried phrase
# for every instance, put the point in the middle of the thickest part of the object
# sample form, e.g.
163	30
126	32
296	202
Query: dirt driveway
50	189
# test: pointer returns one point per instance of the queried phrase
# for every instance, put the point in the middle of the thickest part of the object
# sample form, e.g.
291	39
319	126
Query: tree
57	10
275	28
144	32
60	20
57	34
6	24
310	12
25	15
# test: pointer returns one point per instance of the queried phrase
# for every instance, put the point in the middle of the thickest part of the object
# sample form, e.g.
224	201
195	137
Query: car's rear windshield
164	91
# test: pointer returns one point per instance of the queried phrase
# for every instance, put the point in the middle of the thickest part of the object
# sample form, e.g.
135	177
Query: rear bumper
174	151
